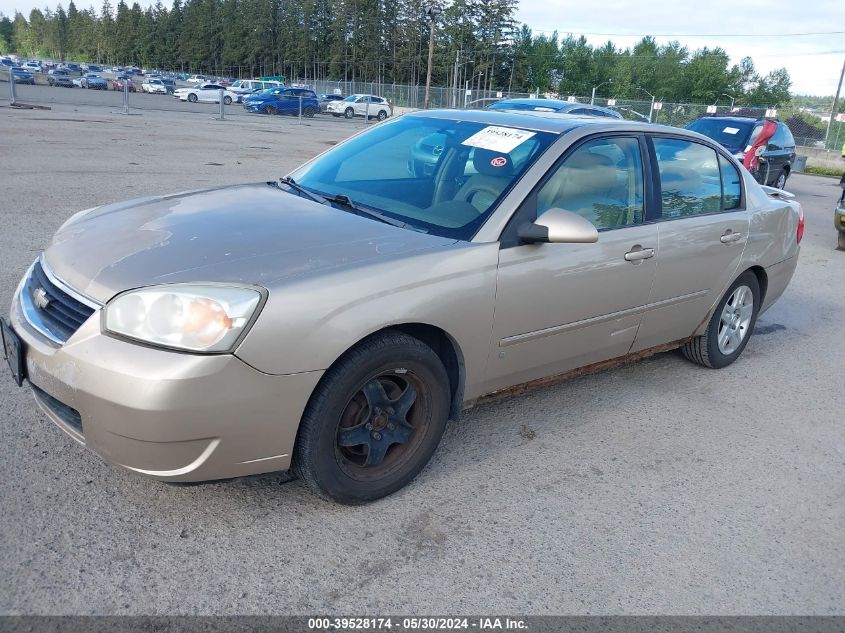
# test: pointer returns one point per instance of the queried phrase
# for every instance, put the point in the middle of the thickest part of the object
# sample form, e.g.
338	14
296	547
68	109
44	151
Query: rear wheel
227	100
192	98
374	420
309	112
780	183
349	113
841	244
271	110
730	326
382	115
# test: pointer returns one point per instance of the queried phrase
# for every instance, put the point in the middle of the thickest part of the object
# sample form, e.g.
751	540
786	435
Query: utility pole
432	12
833	107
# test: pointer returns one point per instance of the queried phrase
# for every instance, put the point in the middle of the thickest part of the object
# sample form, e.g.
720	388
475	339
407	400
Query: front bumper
167	415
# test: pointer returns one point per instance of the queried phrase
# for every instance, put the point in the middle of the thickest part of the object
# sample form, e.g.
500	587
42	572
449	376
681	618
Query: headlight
198	318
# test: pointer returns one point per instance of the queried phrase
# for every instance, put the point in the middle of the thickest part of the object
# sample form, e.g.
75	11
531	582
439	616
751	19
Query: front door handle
730	237
638	254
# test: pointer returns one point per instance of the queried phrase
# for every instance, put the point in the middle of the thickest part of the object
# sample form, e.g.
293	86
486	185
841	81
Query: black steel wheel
374	420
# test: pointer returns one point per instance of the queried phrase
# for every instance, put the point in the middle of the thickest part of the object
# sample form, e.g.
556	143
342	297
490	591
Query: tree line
478	43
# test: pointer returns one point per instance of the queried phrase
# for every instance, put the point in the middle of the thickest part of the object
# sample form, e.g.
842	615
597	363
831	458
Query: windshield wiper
290	182
344	201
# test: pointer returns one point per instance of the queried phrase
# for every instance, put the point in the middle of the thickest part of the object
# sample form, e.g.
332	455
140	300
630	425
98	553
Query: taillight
800	232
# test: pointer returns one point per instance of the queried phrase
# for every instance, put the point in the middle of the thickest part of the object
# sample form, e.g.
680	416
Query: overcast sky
810	59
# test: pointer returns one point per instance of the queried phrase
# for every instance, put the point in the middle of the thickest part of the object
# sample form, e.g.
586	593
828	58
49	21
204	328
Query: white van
243	87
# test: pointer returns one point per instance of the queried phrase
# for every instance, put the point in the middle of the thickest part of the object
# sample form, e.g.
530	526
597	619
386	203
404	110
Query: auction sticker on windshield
498	139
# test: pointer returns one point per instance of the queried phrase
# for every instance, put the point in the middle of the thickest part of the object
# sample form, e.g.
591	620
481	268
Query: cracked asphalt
658	487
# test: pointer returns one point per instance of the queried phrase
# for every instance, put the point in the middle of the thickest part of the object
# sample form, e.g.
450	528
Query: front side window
601	181
439	176
690	179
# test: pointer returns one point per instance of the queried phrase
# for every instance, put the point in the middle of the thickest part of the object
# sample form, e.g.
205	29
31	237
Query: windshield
730	133
351	98
438	176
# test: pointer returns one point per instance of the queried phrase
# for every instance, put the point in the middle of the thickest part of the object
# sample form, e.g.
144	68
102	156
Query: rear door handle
730	237
638	253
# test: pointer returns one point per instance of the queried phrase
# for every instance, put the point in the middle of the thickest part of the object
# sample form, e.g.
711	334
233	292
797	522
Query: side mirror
559	226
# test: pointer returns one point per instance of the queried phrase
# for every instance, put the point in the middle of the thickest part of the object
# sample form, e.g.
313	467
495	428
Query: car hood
253	234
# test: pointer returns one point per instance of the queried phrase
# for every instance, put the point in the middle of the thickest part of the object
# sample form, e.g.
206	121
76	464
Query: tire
707	349
309	112
780	182
841	242
227	100
349	113
271	110
192	98
384	370
382	115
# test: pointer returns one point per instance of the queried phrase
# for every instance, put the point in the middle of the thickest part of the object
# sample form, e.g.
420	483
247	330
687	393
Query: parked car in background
284	101
155	86
91	81
206	93
334	320
73	69
94	68
7	62
326	99
369	106
738	133
60	77
119	82
242	87
839	213
554	105
196	79
22	75
33	67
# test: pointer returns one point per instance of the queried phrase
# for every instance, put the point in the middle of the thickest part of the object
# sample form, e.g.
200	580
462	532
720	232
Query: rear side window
731	185
690	179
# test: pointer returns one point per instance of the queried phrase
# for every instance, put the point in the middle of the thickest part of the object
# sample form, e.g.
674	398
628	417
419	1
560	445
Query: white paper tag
498	139
731	130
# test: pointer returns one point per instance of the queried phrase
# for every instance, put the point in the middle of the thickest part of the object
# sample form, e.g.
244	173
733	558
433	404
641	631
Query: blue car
282	100
22	76
554	105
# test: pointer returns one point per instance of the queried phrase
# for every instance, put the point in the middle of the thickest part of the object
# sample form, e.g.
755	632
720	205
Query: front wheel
271	110
227	100
730	326
192	98
309	112
841	242
374	420
349	113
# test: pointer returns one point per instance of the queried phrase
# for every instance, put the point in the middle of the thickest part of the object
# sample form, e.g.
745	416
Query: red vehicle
117	84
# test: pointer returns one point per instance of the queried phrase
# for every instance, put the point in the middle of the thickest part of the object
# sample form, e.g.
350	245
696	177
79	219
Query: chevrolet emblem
39	296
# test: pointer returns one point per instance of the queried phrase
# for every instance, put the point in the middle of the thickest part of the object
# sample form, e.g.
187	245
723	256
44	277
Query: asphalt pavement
658	487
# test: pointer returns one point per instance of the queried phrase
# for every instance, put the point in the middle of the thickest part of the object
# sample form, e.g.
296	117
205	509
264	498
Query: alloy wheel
735	320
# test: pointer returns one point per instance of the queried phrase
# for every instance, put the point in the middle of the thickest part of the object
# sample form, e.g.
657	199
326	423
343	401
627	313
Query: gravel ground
655	488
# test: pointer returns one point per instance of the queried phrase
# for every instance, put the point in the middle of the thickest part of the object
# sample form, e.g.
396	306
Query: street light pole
593	97
833	107
651	111
732	98
432	12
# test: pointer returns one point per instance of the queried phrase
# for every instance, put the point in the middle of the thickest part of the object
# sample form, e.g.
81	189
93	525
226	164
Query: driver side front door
564	306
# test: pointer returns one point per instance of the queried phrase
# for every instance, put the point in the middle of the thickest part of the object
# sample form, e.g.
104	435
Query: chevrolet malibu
331	322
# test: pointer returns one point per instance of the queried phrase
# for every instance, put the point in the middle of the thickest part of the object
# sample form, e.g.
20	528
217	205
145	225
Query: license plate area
13	352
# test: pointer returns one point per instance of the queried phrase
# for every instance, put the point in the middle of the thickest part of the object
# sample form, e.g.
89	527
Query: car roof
555	122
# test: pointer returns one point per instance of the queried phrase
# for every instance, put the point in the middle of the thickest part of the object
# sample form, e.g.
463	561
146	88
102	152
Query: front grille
66	414
50	308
